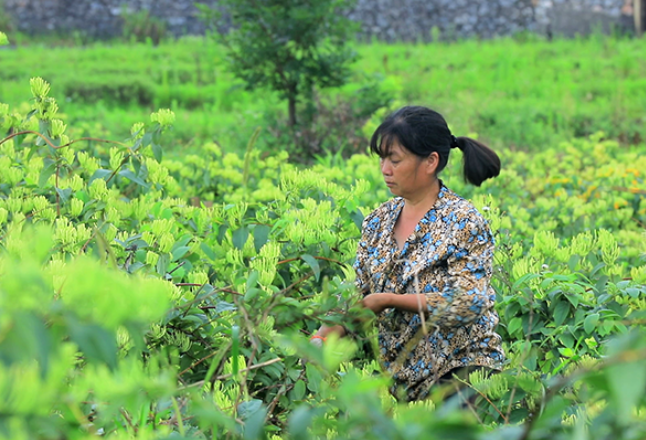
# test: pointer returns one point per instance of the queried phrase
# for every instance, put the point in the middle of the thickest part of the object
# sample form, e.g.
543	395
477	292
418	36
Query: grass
520	94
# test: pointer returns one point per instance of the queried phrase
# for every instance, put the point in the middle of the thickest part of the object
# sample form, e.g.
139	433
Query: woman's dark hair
423	131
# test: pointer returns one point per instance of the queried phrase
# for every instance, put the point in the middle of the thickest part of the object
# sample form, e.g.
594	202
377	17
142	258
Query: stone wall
387	20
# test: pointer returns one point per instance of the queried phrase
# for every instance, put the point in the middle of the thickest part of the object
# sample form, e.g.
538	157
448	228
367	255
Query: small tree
290	46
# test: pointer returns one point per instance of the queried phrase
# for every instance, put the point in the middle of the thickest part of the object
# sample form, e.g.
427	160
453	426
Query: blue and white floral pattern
448	258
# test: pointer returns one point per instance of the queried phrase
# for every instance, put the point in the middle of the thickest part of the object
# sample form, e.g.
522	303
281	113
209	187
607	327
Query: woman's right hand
319	337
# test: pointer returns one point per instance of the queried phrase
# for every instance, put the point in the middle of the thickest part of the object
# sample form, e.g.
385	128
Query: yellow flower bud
110	233
112	215
39	87
151	258
166	242
138	130
14	205
13	175
164	117
57	128
116	157
98	189
76	207
76	183
83	234
68	154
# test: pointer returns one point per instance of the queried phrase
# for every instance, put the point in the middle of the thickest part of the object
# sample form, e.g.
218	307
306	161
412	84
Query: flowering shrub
143	297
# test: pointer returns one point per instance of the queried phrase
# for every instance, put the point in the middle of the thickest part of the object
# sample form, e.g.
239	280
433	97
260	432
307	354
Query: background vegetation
517	93
161	274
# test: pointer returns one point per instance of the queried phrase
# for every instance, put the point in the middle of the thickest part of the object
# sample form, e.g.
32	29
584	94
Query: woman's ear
432	161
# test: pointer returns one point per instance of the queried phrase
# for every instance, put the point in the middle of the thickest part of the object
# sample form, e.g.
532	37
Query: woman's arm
466	290
377	302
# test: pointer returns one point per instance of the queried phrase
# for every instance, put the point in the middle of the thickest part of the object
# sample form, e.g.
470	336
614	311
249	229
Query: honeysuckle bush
146	298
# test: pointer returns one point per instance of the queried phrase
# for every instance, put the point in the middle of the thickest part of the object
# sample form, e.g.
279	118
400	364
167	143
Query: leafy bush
523	95
330	125
128	312
140	26
294	47
138	91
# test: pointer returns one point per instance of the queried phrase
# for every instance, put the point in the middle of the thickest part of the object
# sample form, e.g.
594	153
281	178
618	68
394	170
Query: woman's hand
377	302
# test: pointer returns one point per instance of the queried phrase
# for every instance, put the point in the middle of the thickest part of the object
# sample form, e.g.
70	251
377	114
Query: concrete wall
387	20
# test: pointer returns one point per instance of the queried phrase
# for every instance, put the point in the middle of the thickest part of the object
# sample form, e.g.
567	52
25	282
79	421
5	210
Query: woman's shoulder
381	214
463	210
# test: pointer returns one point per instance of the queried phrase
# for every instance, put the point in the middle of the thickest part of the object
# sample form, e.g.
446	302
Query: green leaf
574	299
46	173
207	250
514	325
627	382
128	174
179	252
82	195
254	422
147	139
260	236
157	151
299	421
357	218
633	292
64	194
240	237
313	378
252	279
299	390
95	342
162	264
313	264
252	293
561	311
590	322
223	306
100	174
215	362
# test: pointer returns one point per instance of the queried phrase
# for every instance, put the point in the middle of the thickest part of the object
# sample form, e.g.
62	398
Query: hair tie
454	142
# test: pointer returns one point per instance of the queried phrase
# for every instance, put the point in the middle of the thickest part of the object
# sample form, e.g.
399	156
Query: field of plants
163	262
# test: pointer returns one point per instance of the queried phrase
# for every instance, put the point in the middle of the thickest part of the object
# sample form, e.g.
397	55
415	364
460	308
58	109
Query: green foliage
140	26
150	297
331	126
523	95
292	47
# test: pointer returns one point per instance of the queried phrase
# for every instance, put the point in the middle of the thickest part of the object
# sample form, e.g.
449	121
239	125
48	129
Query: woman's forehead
394	148
390	146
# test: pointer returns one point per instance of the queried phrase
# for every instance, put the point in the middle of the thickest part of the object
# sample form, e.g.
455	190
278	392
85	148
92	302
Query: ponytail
423	131
480	162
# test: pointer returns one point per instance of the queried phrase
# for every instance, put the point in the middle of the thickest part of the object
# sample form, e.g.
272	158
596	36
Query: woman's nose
386	169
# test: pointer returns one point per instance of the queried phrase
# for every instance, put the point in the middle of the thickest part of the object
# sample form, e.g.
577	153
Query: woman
424	261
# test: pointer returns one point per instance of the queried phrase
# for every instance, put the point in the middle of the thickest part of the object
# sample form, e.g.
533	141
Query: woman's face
406	174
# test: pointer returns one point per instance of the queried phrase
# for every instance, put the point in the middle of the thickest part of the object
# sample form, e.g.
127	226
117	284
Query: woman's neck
419	204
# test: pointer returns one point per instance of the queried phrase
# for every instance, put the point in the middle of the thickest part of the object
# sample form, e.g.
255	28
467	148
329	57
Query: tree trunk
292	110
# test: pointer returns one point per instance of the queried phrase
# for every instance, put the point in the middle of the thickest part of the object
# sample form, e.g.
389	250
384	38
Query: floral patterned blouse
449	259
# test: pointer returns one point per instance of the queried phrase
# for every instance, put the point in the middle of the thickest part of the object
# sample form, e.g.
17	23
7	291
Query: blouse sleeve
466	292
